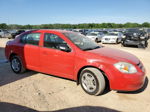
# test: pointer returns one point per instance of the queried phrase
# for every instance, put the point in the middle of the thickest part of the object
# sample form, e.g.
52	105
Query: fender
96	64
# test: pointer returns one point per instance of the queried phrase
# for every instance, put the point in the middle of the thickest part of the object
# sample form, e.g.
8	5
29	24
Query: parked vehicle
95	36
14	33
84	31
4	33
112	37
148	33
74	56
135	37
104	32
1	33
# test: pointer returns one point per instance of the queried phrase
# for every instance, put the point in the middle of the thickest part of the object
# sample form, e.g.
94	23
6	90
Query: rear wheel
16	65
92	81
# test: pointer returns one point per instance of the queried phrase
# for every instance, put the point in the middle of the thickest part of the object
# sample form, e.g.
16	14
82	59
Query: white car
4	33
95	36
112	37
1	33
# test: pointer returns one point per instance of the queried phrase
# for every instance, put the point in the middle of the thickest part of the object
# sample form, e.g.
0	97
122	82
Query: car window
53	41
31	38
81	41
112	34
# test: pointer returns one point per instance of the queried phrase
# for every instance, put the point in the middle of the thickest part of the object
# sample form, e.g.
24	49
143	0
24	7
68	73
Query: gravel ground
34	92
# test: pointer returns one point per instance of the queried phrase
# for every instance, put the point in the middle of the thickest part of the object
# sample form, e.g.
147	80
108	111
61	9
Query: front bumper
108	41
132	83
131	42
126	82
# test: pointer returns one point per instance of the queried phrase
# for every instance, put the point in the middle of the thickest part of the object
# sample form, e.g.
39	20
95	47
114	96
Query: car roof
114	32
53	30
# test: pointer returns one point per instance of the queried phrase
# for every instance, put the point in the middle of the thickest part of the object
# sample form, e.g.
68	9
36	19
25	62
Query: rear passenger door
30	50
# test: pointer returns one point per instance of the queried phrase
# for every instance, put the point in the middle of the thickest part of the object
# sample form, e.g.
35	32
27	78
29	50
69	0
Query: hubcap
88	82
15	65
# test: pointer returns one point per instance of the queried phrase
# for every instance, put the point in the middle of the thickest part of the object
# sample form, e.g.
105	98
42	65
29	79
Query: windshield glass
92	34
112	34
133	30
81	41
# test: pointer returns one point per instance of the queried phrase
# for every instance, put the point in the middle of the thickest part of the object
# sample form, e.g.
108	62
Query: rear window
31	38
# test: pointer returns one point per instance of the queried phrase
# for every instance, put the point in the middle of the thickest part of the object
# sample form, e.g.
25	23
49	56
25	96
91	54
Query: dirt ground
33	92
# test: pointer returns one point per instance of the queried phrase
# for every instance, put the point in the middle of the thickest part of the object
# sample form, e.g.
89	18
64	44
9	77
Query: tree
3	26
75	26
145	24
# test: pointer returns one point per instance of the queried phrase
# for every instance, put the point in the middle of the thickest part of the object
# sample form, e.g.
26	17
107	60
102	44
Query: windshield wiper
91	48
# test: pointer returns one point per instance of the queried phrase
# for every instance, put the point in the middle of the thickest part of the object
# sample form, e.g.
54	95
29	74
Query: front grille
107	38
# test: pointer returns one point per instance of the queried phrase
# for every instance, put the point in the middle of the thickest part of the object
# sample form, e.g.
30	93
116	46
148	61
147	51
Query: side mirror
64	47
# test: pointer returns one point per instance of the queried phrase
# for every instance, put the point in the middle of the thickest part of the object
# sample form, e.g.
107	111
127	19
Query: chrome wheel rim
88	82
15	65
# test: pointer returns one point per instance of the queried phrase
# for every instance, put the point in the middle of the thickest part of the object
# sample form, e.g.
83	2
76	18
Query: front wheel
92	81
123	44
117	41
16	65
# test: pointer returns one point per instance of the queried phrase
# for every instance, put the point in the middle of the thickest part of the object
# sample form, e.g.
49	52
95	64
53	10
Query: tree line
76	26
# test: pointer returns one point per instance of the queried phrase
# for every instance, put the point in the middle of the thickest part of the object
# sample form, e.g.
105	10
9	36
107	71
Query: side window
53	41
31	38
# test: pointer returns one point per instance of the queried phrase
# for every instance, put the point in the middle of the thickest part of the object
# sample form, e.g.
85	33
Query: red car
73	56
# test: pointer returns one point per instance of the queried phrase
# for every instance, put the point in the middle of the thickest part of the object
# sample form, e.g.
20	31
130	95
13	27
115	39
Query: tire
117	41
140	46
16	65
9	37
145	44
92	81
123	44
96	40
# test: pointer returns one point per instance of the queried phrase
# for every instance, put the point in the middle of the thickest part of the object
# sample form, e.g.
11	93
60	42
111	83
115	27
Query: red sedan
73	56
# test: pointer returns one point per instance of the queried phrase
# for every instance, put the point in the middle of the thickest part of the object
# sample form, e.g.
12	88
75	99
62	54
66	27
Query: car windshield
112	34
104	32
81	41
148	30
92	34
132	30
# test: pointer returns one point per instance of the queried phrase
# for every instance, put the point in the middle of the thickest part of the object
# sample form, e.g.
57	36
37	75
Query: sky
37	12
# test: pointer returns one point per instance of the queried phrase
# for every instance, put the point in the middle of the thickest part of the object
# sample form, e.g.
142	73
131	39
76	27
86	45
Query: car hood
91	36
118	55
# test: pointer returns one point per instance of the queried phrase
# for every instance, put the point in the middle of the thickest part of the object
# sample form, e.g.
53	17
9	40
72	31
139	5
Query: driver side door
55	61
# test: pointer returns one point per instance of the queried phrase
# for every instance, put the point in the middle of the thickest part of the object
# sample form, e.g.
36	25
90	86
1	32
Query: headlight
125	67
